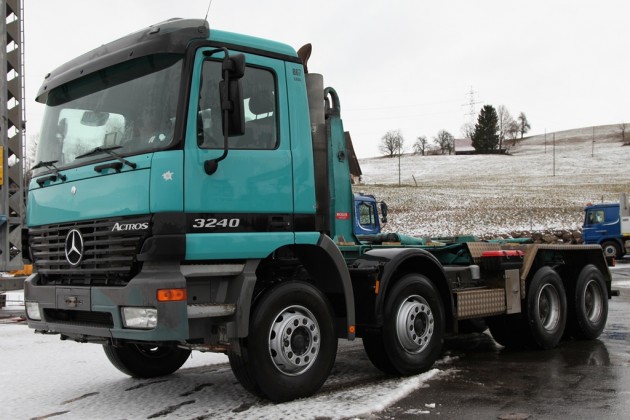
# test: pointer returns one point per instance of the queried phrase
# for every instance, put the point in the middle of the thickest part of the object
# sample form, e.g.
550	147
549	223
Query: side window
366	215
599	216
595	217
259	103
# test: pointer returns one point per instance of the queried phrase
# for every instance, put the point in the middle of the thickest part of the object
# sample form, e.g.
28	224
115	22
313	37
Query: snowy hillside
538	186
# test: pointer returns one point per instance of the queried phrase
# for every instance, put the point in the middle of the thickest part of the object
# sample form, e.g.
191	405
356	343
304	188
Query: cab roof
173	36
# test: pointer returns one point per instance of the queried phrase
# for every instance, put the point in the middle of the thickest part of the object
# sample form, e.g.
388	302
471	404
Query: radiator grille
109	256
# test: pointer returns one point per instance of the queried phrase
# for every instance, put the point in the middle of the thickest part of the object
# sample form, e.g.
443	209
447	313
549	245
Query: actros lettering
130	226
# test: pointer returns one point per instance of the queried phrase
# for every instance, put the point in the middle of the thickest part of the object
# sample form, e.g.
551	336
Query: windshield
131	105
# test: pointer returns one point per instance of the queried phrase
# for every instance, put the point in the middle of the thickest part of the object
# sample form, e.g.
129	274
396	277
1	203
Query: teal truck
192	192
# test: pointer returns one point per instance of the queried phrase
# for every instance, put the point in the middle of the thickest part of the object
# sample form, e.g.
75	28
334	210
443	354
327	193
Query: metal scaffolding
11	134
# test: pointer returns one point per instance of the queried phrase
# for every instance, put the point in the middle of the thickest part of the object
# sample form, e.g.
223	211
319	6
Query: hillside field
539	185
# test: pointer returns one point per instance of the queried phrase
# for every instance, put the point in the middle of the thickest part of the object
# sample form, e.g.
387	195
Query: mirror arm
211	165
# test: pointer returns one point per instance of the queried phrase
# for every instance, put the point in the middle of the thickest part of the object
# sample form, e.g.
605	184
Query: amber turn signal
171	295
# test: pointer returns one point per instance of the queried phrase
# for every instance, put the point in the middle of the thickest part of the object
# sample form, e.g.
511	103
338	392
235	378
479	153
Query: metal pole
399	163
554	154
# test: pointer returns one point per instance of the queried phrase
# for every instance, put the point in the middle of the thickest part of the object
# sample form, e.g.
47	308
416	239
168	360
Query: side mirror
62	128
383	212
232	108
232	95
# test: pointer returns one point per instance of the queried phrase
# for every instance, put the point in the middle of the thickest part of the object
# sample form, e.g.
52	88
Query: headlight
32	310
139	318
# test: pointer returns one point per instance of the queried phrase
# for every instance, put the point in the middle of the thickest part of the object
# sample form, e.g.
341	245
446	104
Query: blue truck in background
192	192
608	225
366	214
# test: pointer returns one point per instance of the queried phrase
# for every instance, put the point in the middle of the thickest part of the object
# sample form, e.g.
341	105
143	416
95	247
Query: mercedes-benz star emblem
74	247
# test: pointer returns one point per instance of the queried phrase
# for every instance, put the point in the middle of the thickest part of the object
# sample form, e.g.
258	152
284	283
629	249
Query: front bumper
93	313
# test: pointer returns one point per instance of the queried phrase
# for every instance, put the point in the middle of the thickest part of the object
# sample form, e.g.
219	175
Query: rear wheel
413	327
612	249
546	308
146	360
589	304
292	344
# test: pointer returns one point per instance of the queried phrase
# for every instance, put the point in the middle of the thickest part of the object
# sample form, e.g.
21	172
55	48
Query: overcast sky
400	64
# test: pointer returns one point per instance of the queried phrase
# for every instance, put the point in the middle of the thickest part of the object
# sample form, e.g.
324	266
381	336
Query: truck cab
366	214
603	226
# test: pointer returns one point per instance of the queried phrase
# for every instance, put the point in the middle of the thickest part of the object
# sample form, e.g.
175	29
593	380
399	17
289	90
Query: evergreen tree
485	138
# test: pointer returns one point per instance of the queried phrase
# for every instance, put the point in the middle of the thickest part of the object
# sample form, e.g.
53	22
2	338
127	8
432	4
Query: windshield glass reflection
131	105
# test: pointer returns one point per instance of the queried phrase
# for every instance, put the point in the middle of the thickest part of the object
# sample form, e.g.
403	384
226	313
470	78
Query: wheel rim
548	307
294	340
593	301
414	324
610	251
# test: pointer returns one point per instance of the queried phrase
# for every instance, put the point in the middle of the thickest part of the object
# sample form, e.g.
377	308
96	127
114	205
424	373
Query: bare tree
420	146
31	150
523	124
391	143
512	132
504	122
467	130
445	141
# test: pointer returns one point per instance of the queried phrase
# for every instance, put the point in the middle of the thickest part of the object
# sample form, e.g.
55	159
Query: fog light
139	318
32	310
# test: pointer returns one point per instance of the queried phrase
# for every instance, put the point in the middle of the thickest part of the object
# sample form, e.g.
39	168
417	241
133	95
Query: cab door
245	208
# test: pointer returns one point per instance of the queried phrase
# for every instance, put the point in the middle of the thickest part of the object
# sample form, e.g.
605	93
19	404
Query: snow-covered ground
43	377
537	186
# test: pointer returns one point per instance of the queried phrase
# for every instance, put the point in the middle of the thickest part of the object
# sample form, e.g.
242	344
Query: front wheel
292	344
612	249
146	360
413	327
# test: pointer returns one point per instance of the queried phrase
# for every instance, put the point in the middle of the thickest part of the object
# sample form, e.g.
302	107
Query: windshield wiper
108	150
49	165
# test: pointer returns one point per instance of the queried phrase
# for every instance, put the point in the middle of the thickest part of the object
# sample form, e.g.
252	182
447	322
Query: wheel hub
593	296
414	324
294	340
549	307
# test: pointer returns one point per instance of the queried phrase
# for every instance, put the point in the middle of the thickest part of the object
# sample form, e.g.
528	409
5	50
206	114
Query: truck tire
546	309
375	349
292	344
242	370
588	306
146	360
413	328
612	249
